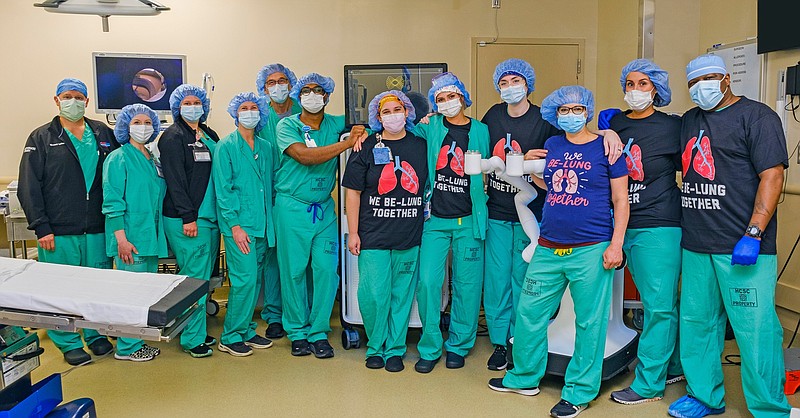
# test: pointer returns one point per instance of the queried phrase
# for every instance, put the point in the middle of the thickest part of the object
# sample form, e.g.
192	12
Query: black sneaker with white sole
564	409
497	384
627	396
210	340
143	354
497	361
321	349
674	378
259	342
237	349
300	348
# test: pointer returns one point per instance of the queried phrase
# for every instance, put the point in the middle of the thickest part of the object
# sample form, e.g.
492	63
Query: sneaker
155	350
238	349
565	409
454	361
300	348
375	362
425	366
321	349
143	354
395	364
674	378
258	342
77	356
101	347
275	331
210	340
497	384
689	407
200	351
498	359
628	397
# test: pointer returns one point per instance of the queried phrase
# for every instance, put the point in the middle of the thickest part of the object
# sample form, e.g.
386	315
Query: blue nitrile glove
604	119
746	251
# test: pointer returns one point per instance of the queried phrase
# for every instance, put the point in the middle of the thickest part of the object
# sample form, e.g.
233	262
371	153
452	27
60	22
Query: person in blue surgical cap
133	195
733	154
60	170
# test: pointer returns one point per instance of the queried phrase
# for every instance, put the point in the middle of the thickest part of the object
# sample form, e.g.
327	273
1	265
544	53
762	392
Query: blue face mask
192	113
706	93
572	123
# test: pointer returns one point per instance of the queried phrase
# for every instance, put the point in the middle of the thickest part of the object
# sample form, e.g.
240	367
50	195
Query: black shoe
564	409
498	361
101	347
238	349
497	384
210	341
300	348
321	349
77	356
200	351
395	364
275	331
258	342
375	362
454	361
425	366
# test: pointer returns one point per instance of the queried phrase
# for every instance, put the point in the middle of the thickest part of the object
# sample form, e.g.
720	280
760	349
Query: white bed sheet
104	296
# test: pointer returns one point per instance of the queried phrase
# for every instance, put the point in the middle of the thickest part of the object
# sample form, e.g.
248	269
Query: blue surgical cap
375	124
260	101
444	80
326	83
268	70
658	77
73	84
705	64
180	93
518	67
122	128
566	95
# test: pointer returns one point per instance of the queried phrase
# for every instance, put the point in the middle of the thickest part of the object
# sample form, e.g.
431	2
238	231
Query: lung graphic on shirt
457	160
408	177
505	146
565	180
703	161
633	159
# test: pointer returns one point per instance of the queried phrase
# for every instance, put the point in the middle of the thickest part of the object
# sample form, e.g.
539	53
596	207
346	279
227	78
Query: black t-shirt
652	153
451	197
723	154
528	132
390	214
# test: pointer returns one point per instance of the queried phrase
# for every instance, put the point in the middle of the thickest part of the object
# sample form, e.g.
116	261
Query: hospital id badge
201	155
382	155
310	142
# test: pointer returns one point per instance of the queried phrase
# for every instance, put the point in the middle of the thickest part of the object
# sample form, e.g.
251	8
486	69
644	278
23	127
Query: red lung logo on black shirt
633	159
704	159
457	163
501	148
408	177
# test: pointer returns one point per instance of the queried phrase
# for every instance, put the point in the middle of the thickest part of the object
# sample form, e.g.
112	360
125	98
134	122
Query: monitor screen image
123	79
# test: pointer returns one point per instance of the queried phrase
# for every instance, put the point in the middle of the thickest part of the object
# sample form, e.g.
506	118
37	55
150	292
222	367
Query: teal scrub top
270	130
434	133
133	194
243	179
86	148
308	184
207	213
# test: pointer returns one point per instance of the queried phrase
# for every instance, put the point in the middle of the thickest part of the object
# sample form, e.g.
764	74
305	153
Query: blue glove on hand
604	119
746	251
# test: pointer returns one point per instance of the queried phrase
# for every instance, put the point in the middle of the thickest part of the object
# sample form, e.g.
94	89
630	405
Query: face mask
514	94
572	123
192	113
278	93
312	102
141	133
706	94
638	100
249	118
450	108
394	122
72	109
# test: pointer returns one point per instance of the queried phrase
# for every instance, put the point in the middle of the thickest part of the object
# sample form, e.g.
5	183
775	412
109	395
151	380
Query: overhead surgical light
104	8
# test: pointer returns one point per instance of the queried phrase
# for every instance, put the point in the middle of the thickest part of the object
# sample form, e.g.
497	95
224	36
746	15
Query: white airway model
621	341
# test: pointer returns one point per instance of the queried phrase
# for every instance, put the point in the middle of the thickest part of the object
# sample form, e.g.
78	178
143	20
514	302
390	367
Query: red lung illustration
634	162
686	157
388	180
442	161
408	178
704	160
500	148
457	163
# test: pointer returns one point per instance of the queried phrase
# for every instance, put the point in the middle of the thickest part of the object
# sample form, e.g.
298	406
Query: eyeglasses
281	81
514	82
576	110
307	90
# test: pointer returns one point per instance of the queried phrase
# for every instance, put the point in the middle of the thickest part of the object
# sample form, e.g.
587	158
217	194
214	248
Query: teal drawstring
319	213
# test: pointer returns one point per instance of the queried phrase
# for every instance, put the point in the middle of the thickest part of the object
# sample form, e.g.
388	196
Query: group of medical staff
97	198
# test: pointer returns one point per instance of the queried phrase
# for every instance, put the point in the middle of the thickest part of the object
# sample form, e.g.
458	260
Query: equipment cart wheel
350	339
212	307
444	322
638	318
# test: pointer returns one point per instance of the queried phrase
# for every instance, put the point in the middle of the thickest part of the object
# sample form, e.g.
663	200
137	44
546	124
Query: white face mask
514	94
141	133
278	93
249	118
638	100
450	108
394	122
312	102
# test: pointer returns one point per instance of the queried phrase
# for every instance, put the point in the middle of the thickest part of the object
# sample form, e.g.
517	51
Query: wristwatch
753	231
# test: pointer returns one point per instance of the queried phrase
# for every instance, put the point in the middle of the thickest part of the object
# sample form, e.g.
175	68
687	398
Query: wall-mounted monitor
777	25
123	79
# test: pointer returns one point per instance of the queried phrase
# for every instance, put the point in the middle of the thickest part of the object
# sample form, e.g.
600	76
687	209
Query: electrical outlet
495	4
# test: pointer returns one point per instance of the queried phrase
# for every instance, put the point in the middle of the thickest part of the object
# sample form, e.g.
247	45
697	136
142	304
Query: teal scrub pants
654	260
244	272
590	286
710	288
307	234
438	237
76	250
385	295
196	257
503	275
141	264
272	310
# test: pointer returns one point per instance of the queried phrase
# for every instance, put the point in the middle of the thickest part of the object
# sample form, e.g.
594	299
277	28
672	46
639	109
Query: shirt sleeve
172	164
766	142
618	169
287	134
222	174
355	173
31	197
115	177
